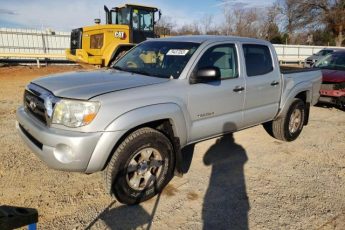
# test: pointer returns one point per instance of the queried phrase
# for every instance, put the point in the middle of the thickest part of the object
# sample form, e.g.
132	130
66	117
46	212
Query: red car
333	78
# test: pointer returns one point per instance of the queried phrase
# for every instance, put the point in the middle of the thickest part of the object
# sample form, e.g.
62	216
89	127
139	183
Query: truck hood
329	75
87	84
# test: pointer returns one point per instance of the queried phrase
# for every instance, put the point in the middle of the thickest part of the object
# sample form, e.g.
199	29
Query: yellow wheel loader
103	44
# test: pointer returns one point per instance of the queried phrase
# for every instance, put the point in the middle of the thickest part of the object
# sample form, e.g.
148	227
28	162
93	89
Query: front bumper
336	97
59	149
332	93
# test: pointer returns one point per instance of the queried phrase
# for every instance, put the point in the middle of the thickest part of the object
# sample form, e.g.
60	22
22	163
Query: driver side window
223	57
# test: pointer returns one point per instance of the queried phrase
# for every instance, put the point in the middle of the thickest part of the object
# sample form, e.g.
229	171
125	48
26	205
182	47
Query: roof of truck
211	38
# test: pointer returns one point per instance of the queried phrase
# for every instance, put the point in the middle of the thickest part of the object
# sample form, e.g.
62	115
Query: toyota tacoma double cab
132	120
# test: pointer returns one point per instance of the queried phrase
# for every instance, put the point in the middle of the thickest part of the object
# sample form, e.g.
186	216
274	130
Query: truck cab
102	44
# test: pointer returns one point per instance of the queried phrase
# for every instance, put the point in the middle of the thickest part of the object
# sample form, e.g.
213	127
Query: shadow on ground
135	216
125	217
226	203
331	106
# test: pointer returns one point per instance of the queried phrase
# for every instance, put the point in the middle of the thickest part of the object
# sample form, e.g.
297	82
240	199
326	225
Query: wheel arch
302	93
170	122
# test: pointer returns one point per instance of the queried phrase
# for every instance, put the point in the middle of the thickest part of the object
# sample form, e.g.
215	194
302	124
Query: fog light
63	153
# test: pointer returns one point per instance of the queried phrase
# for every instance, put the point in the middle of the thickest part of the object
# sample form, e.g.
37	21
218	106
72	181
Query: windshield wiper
117	67
132	70
142	72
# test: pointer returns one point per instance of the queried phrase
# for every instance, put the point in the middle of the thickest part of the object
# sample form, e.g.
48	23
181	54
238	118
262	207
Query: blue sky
64	15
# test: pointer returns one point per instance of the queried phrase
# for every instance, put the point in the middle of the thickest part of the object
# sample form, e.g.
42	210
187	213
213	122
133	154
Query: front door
216	107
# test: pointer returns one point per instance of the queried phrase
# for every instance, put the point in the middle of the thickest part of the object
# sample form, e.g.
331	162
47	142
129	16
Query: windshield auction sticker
177	52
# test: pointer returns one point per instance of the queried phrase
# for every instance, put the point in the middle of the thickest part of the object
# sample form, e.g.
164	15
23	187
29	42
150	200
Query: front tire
141	166
288	126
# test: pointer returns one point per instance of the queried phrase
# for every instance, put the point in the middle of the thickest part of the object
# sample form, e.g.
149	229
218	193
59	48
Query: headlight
72	113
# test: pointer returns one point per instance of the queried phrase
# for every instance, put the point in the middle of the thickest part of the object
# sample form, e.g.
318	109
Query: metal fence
296	53
28	43
43	44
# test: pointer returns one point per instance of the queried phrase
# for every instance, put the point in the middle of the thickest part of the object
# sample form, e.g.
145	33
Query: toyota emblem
32	105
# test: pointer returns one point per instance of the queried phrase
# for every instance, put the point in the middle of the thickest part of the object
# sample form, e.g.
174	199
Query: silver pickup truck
131	121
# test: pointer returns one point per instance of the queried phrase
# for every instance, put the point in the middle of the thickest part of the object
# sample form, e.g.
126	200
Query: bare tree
242	21
271	29
164	26
207	23
295	14
328	15
189	29
331	14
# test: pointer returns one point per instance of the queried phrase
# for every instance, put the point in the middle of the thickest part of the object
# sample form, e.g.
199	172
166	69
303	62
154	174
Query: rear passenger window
223	57
258	60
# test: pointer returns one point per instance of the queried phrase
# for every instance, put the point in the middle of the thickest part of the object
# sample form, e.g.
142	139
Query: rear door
217	107
263	84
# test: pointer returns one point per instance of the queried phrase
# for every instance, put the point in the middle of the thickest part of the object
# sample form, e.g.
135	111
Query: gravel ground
240	181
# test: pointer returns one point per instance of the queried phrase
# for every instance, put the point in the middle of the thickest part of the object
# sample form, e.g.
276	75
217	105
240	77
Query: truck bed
295	69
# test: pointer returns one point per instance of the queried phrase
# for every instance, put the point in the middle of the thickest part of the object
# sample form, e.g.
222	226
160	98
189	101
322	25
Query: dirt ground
241	181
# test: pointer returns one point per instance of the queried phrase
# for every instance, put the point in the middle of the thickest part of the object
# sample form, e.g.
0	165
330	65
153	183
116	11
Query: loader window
123	16
142	20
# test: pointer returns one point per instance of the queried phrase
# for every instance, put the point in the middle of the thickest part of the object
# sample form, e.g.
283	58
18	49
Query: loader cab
140	19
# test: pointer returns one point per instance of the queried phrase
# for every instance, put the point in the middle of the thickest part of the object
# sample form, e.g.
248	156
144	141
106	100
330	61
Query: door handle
238	88
274	83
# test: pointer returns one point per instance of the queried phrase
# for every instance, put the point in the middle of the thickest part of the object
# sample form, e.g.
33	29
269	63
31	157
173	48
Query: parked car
333	78
164	94
310	61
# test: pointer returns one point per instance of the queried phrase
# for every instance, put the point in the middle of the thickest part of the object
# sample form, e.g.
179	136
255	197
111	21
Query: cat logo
120	34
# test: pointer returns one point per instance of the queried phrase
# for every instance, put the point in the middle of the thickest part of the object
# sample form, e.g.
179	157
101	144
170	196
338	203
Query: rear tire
141	166
288	126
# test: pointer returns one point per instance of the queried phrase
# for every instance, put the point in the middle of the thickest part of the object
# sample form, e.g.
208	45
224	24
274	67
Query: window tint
324	52
142	20
222	56
123	16
258	60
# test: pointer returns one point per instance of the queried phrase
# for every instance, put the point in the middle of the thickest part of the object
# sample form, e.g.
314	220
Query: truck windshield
158	58
334	61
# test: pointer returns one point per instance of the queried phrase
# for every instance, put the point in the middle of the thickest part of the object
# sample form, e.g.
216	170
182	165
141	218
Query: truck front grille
35	106
31	138
76	40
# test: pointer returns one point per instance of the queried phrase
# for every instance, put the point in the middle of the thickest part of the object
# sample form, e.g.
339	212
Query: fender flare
146	114
143	115
121	125
297	89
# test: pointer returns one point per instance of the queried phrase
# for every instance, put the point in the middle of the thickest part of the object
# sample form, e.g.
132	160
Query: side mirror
159	17
204	75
